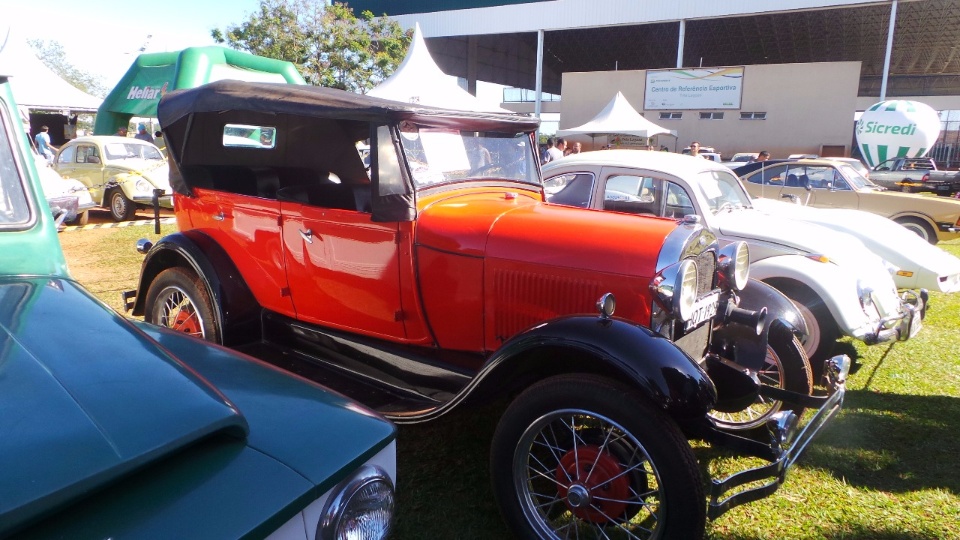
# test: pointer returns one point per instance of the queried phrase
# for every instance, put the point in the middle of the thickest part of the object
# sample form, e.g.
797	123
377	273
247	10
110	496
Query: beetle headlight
144	186
362	508
676	288
733	265
866	295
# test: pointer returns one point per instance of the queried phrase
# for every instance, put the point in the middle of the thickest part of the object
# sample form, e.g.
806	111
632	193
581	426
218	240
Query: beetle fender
235	308
629	353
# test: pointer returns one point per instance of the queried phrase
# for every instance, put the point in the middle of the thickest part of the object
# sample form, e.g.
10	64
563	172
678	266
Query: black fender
782	316
235	309
619	349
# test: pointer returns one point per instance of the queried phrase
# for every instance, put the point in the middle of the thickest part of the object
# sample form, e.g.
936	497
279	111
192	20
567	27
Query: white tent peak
618	118
419	80
36	86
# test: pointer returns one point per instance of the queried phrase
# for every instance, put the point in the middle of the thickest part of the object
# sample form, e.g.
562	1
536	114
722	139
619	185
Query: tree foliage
330	45
51	53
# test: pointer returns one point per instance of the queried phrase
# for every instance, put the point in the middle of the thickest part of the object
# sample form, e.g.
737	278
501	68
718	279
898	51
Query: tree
329	44
51	53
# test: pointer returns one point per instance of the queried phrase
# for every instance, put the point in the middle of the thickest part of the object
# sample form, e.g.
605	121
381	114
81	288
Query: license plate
704	309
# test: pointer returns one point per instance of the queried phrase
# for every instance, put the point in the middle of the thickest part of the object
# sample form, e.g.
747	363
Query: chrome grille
706	272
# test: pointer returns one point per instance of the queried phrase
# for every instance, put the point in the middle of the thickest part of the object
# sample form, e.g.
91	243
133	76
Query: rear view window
13	200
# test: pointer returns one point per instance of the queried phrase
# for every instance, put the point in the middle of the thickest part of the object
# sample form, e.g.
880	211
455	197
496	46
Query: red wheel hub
592	484
187	322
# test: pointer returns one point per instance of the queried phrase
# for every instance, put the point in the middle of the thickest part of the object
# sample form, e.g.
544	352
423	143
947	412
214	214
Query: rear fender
632	354
782	316
235	309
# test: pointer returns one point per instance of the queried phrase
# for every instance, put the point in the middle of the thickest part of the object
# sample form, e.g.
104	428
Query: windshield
857	180
438	156
131	150
722	191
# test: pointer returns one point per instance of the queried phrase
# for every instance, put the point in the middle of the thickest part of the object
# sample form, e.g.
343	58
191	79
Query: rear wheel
581	456
920	227
121	208
178	300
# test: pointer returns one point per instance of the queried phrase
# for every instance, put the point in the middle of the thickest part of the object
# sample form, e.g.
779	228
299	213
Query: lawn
885	469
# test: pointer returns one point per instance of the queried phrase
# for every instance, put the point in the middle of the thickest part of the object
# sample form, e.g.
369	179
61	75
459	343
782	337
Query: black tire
121	208
82	218
640	478
920	227
178	300
787	368
822	331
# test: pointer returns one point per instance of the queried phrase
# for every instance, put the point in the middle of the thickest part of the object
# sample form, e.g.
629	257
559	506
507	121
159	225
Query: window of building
671	115
753	116
711	116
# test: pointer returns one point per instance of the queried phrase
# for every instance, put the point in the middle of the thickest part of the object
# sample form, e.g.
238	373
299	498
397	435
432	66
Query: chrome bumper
166	201
905	324
786	443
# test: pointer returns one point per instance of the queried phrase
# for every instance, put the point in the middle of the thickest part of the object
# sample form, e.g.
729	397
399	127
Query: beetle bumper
787	442
906	323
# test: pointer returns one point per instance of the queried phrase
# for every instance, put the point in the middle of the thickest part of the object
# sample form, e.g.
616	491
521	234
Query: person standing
574	148
44	148
121	131
555	150
694	148
143	135
763	156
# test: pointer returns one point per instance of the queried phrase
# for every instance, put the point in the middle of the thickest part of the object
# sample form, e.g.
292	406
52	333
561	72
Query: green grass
887	468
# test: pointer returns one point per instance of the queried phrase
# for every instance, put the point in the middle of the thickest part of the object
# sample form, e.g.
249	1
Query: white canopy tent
420	80
618	118
34	85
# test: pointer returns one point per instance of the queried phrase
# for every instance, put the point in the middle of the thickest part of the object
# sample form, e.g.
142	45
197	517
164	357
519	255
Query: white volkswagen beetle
840	286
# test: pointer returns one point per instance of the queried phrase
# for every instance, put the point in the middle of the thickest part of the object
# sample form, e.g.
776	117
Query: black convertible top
319	102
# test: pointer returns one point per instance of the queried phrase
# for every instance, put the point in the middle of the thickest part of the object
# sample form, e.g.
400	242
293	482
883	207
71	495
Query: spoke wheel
179	301
786	367
606	466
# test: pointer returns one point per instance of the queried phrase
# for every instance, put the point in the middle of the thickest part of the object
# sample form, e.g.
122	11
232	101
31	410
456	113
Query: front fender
632	354
236	311
782	316
834	285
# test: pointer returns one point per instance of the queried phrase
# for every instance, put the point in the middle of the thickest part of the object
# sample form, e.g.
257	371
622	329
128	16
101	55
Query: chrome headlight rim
733	265
329	527
143	185
675	288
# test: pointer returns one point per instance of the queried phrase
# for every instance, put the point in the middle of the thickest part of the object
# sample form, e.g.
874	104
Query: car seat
792	181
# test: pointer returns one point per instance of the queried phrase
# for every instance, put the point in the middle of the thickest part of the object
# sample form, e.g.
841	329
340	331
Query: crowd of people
558	148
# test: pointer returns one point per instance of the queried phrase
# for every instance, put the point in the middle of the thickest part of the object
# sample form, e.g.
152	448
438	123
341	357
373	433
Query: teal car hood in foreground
200	447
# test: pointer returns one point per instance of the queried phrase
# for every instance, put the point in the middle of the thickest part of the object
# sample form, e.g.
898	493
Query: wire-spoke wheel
587	459
177	300
786	367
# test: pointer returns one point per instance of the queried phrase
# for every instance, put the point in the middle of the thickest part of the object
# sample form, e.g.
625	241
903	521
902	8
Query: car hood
56	397
522	229
157	173
754	226
929	266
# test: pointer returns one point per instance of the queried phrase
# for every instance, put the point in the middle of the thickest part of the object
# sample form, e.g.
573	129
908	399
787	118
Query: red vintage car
438	277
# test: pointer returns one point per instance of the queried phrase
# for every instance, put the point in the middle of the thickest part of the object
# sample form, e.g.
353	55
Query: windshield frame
709	187
444	156
14	176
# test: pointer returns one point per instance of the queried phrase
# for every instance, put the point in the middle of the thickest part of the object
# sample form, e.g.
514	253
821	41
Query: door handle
219	216
307	235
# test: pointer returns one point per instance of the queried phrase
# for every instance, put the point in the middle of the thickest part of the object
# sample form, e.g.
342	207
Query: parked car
855	163
838	185
919	265
442	279
69	200
113	428
915	175
840	287
740	159
121	172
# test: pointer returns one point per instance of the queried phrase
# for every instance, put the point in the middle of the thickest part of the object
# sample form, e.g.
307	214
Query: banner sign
694	88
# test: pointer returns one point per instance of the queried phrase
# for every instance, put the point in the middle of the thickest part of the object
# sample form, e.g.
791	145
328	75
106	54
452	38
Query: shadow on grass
847	533
892	442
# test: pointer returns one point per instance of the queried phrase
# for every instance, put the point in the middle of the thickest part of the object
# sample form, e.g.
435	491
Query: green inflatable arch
155	74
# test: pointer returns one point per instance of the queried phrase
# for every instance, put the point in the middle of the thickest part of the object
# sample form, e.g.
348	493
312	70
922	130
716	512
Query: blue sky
102	37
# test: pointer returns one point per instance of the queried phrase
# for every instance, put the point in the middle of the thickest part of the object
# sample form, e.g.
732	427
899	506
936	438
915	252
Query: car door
83	162
829	189
342	267
767	182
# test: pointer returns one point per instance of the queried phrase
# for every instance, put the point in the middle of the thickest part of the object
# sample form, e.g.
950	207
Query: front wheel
121	208
178	300
582	456
822	331
920	227
786	367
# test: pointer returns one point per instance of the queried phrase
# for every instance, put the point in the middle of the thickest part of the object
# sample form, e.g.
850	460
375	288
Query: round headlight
361	510
685	290
144	186
733	263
